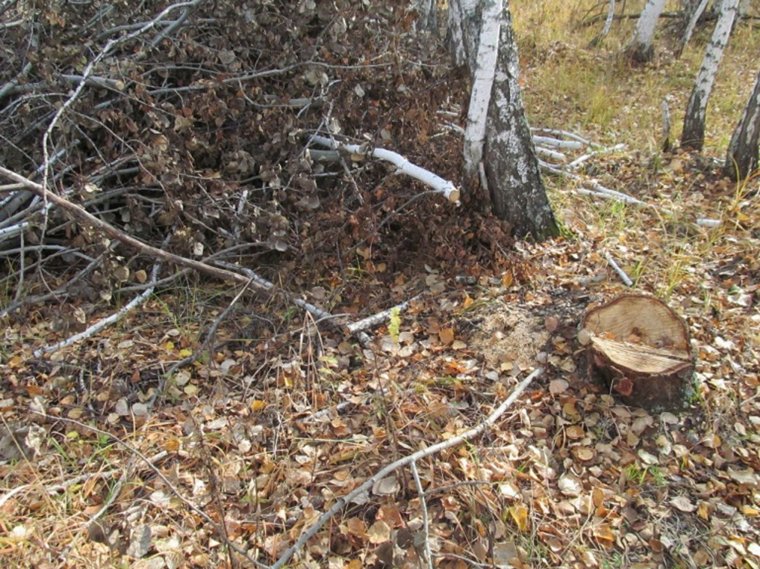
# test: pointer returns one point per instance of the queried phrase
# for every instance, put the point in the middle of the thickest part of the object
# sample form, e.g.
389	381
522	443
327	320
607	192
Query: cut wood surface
640	348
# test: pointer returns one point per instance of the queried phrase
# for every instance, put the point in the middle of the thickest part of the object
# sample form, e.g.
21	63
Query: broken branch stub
639	347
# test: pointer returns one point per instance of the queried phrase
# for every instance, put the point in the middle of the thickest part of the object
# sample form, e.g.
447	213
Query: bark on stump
640	348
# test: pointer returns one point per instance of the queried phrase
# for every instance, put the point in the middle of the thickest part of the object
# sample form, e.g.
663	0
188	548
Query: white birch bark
511	167
742	156
693	135
640	49
483	74
698	10
455	38
500	160
464	27
403	165
610	18
607	24
428	13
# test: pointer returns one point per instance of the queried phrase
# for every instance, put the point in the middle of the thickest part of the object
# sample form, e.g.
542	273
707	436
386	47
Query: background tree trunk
694	11
693	135
640	49
742	156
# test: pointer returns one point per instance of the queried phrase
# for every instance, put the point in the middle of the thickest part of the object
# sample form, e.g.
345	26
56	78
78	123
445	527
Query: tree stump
640	348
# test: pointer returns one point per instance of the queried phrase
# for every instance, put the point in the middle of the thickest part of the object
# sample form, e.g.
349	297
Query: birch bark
500	161
697	10
742	156
511	167
640	49
693	135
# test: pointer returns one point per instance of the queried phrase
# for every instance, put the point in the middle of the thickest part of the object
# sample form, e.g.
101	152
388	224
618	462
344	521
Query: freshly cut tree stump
640	348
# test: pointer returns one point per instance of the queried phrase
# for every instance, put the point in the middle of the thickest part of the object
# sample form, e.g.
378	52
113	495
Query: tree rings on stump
640	348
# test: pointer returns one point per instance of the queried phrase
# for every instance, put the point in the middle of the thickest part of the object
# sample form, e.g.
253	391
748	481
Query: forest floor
277	416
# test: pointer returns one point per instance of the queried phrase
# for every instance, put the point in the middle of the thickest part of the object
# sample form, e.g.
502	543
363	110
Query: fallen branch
224	271
562	133
621	273
100	325
581	159
597	189
307	534
174	26
264	284
553	154
87	218
557	143
378	318
425	520
402	164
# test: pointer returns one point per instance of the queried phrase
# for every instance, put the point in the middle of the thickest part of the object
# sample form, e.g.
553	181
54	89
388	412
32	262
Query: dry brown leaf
379	532
446	335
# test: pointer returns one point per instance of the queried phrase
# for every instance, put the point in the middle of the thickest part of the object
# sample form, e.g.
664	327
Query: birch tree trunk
514	180
499	157
640	49
693	135
607	24
697	9
742	156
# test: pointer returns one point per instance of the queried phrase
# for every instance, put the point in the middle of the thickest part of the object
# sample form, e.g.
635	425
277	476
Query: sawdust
509	337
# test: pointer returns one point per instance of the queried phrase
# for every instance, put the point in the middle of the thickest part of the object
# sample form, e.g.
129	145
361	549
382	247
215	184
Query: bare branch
101	324
621	273
404	166
87	218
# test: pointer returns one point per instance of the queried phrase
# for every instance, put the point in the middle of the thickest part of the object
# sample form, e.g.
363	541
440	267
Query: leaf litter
270	427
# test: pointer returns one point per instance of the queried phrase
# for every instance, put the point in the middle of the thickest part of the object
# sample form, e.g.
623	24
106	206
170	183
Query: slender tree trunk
640	49
607	24
742	156
693	135
514	181
428	14
696	9
501	168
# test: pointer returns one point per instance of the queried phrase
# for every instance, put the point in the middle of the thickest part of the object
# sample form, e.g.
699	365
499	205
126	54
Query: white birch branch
100	325
621	273
403	165
308	533
562	133
557	143
598	189
551	154
378	318
581	159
